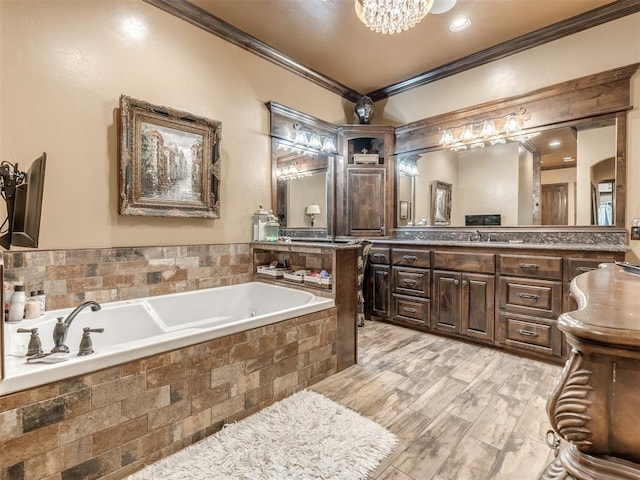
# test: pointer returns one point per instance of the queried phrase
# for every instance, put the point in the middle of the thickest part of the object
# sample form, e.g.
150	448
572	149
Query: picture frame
169	161
404	210
440	203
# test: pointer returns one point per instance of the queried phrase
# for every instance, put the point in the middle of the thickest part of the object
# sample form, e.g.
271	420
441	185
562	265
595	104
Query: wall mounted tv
23	194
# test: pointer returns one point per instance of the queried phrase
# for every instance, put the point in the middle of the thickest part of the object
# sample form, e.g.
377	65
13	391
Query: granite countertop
593	247
280	245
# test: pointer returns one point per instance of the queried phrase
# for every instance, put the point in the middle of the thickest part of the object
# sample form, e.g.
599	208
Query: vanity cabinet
364	181
411	286
529	301
463	295
379	287
495	295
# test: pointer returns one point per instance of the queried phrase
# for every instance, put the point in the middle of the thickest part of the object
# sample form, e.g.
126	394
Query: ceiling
325	37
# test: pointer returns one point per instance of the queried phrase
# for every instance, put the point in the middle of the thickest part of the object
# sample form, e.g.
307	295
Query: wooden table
595	404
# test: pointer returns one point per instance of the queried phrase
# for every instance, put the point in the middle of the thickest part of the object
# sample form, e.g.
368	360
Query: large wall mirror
303	188
303	151
554	176
551	157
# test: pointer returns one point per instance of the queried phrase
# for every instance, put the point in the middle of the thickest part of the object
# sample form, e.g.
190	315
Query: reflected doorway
554	204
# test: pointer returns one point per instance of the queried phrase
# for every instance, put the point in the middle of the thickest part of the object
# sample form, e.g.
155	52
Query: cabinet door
366	201
478	306
380	291
446	301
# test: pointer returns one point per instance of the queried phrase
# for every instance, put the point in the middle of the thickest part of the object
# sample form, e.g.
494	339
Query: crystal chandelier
392	16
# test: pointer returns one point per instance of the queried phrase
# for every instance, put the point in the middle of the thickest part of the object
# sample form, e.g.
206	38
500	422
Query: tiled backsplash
69	277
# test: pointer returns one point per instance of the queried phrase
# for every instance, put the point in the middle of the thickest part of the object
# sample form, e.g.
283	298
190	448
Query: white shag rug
304	436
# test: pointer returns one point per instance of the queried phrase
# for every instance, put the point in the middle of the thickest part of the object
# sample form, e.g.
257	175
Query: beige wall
607	46
65	65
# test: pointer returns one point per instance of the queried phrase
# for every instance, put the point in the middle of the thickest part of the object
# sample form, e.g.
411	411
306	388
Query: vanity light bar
478	134
311	139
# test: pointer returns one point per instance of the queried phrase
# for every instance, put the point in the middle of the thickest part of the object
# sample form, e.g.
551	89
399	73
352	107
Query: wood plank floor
461	412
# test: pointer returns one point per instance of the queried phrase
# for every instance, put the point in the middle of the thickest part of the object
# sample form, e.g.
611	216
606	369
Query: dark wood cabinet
478	311
464	304
366	201
365	181
380	290
505	297
447	300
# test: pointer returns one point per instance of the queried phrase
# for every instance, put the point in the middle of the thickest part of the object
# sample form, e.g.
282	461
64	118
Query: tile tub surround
70	277
110	423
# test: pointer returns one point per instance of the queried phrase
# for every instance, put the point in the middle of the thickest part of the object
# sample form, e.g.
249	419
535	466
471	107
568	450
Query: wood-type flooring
461	411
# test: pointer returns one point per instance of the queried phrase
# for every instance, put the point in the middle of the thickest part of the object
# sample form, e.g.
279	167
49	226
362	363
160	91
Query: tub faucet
61	328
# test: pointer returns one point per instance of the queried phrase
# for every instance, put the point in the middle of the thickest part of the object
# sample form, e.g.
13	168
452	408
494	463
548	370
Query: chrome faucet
479	235
61	328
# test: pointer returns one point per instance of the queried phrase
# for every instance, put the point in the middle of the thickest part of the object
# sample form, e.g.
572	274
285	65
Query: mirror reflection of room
301	188
561	176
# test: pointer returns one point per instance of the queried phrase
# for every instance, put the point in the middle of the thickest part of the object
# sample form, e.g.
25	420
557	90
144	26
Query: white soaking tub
146	326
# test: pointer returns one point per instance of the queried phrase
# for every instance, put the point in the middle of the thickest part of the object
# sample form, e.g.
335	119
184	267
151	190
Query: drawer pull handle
378	255
527	333
410	258
409	281
528	265
529	295
409	310
586	269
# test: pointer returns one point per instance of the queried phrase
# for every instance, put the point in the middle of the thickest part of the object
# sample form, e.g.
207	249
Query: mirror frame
282	132
604	95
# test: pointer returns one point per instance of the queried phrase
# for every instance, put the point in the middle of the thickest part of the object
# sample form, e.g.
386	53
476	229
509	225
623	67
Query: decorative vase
364	109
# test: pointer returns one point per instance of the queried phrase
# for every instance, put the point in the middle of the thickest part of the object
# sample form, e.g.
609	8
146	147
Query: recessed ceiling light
460	24
555	143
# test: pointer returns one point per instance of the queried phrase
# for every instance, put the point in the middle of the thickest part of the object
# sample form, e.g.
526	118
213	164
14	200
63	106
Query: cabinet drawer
465	261
380	255
529	333
411	258
576	266
535	297
531	266
412	310
411	281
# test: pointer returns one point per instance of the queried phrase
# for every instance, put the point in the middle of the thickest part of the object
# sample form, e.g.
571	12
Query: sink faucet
61	328
479	233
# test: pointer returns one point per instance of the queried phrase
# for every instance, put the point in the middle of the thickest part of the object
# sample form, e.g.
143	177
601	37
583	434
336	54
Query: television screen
478	220
24	217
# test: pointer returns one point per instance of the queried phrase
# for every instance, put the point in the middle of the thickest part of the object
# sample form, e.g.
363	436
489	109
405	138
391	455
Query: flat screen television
478	220
23	194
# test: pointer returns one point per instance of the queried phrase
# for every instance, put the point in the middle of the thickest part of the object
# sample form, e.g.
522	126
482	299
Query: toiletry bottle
16	306
43	301
32	307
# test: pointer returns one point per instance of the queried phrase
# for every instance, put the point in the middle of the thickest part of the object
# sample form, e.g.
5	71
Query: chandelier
392	16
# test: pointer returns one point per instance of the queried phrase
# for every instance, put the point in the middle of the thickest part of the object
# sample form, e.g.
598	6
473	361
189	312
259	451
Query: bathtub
138	328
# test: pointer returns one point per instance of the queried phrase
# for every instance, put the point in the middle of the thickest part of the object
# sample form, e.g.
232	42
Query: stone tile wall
70	277
111	423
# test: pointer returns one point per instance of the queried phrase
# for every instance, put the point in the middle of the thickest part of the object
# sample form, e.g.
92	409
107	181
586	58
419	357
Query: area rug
304	436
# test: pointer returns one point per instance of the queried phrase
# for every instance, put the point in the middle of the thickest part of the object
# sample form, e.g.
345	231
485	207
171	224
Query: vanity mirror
556	157
303	150
302	188
558	176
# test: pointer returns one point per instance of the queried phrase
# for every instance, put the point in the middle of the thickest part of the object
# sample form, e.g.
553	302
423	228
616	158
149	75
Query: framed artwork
169	162
404	210
440	203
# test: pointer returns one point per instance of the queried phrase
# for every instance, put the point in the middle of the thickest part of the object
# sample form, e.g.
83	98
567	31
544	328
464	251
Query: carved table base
572	464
